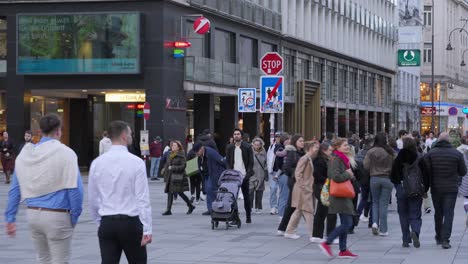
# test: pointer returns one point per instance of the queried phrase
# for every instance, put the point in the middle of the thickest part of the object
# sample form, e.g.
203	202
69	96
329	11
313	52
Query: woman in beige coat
302	194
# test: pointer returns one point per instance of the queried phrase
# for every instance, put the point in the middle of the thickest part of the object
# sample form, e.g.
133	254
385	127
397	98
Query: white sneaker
316	240
383	234
364	219
258	211
279	233
291	236
375	229
273	211
197	202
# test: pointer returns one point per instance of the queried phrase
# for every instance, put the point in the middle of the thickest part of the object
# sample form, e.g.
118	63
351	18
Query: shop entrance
86	114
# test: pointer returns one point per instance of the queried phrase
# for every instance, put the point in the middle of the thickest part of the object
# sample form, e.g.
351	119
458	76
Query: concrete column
336	120
203	112
300	18
229	120
347	120
375	123
308	19
356	117
366	121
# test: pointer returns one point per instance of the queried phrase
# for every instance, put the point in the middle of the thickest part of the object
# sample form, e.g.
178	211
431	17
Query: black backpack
413	184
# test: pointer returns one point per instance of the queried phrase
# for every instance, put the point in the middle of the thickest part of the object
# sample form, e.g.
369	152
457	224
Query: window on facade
371	91
331	82
225	47
379	92
342	75
352	87
289	72
266	47
363	88
305	70
248	52
318	72
427	54
427	15
200	43
3	44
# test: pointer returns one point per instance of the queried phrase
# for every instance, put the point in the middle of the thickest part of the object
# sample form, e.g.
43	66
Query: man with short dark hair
48	178
401	134
27	139
239	156
122	213
206	139
443	164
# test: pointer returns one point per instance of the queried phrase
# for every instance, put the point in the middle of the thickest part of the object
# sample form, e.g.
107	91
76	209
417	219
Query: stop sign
146	111
271	63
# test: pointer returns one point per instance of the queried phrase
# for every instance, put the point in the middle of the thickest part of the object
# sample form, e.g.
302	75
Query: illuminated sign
126	97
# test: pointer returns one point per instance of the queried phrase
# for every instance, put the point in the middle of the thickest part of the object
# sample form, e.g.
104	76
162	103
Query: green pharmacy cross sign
409	58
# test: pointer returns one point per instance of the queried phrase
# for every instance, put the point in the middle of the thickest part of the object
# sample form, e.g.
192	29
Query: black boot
187	201
170	199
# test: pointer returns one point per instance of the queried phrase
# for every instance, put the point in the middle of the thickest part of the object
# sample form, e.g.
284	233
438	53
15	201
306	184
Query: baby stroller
224	208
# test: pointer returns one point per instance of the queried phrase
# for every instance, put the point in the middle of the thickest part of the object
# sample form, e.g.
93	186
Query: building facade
450	73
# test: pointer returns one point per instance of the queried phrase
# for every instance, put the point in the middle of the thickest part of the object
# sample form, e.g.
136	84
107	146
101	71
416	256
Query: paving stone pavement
187	239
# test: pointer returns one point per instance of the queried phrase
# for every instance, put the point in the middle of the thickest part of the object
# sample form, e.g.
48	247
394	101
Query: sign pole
272	128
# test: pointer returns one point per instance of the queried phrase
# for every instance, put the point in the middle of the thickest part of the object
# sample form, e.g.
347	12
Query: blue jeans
444	207
346	222
210	193
283	195
409	211
154	167
381	189
273	192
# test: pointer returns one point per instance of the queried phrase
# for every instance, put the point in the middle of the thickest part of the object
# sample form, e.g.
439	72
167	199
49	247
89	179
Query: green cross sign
409	58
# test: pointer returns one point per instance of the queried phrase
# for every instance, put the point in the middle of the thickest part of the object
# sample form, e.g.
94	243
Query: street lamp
462	29
432	72
463	58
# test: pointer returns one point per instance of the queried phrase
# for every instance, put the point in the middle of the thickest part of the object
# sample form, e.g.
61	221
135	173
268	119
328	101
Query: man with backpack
407	177
443	164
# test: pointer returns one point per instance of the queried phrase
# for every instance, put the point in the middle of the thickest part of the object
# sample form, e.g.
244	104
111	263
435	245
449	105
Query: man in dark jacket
239	156
443	164
211	166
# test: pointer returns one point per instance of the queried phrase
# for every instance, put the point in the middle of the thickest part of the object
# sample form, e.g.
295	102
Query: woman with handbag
7	156
302	195
379	162
341	198
257	181
175	177
321	213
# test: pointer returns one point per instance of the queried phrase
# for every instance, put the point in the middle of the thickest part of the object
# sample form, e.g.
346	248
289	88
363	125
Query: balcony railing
204	70
244	10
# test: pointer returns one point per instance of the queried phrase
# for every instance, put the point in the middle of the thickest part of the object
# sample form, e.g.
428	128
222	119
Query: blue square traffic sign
271	94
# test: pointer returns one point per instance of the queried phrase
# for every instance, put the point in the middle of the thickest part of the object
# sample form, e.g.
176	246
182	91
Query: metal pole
272	128
432	74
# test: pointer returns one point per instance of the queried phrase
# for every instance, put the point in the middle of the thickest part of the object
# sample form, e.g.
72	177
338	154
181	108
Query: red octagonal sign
271	63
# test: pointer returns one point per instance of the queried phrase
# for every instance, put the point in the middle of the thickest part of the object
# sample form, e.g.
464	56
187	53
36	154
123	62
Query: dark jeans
287	214
117	234
366	203
341	231
246	194
444	207
258	196
321	213
409	211
195	185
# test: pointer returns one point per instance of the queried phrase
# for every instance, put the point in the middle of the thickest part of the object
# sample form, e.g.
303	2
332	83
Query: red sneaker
326	249
347	255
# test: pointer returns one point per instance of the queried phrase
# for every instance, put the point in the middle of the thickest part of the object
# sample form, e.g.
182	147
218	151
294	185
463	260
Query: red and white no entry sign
146	111
201	25
271	63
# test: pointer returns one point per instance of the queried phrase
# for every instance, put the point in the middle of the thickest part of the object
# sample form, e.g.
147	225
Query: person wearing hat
211	166
206	139
155	156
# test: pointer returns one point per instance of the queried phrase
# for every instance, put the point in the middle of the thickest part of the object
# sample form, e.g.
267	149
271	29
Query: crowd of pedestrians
346	179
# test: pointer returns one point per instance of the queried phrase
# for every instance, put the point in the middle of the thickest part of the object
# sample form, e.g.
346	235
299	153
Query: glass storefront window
41	106
3	44
426	90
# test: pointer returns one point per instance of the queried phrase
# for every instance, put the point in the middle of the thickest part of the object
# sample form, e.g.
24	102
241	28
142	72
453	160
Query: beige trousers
51	233
296	217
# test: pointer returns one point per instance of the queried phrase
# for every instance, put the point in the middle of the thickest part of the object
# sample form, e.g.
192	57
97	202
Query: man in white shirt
119	200
239	156
429	141
105	143
401	135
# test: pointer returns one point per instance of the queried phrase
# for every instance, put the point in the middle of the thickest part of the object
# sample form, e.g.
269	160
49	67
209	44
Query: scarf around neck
343	157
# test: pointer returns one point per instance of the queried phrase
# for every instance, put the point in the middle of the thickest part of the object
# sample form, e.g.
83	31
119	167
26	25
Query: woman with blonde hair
302	193
257	181
340	171
175	177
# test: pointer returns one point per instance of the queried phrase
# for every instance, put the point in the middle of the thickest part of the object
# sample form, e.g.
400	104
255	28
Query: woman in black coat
321	212
409	208
175	177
